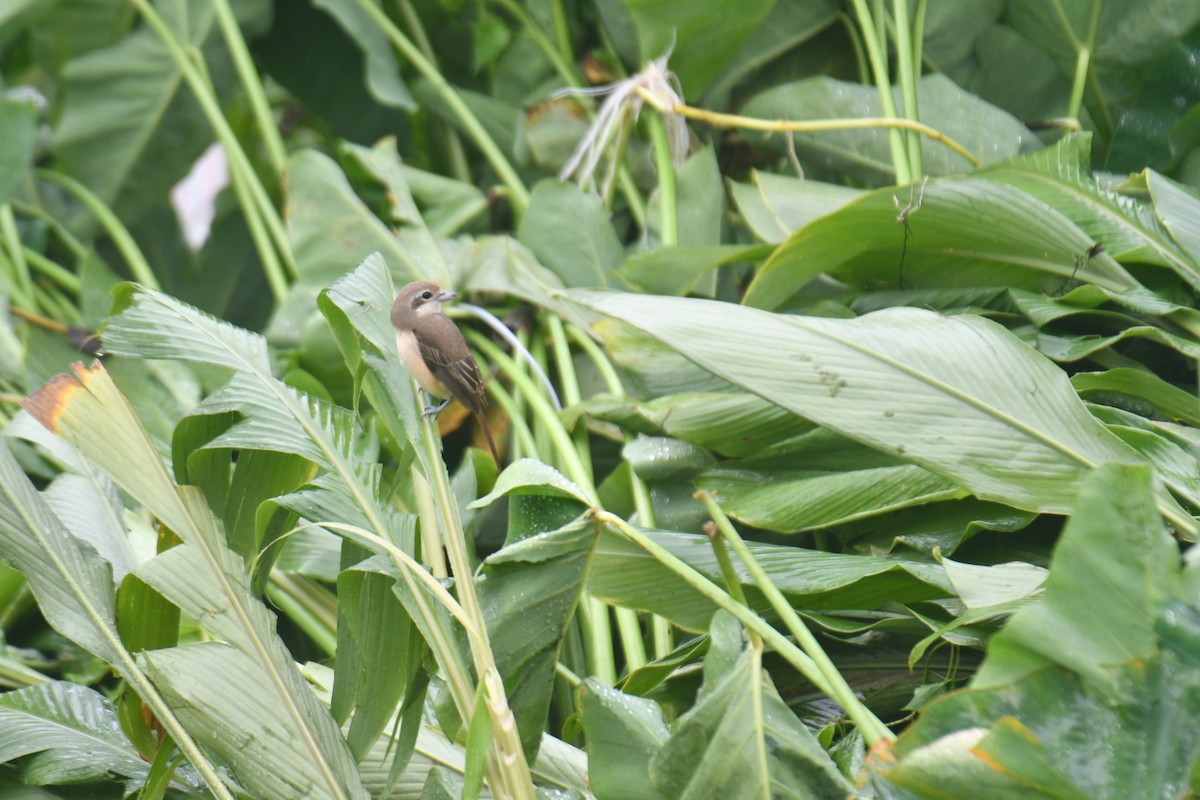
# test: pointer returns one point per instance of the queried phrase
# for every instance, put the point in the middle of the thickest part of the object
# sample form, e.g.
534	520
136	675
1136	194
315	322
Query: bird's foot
436	409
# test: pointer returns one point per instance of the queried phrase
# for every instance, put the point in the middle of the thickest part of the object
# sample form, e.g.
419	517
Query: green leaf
793	500
218	692
1060	176
1112	568
678	270
319	198
379	655
740	739
529	596
623	732
1109	387
962	232
625	575
73	585
882	380
18	129
130	128
970	741
74	732
789	25
570	233
530	476
775	206
986	131
1177	208
701	37
383	77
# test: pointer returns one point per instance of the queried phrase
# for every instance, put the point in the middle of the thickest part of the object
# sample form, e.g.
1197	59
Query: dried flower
622	102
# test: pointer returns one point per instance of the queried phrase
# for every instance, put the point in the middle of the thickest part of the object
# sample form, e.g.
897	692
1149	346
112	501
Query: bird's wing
451	362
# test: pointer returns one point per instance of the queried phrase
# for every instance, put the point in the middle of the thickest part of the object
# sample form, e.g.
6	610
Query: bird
434	352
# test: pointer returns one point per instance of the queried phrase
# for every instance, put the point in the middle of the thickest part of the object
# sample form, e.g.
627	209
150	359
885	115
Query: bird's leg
436	409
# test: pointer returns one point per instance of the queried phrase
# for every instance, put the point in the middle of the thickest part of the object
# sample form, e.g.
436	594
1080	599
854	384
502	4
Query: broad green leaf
775	206
319	199
789	25
529	476
202	575
1117	386
1060	176
653	368
68	734
986	131
733	424
1125	33
658	458
740	739
898	381
623	733
1001	584
1177	208
624	574
1072	740
799	499
529	595
383	76
301	729
73	585
218	694
951	29
570	233
382	165
130	127
18	129
1112	568
678	270
701	37
964	231
447	204
378	656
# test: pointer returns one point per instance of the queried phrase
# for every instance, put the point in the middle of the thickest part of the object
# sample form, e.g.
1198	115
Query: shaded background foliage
949	400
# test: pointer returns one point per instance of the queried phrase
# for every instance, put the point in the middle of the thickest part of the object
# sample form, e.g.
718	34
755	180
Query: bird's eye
426	295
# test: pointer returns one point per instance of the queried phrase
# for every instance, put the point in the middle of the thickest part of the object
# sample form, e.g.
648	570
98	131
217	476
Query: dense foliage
846	389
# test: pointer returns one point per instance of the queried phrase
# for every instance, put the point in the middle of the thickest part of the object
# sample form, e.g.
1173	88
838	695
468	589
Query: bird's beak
446	297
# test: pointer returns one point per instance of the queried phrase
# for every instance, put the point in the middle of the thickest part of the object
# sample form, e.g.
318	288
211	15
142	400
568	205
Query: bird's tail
487	434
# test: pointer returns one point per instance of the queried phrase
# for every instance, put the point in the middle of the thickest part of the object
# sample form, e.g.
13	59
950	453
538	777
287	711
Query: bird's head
420	299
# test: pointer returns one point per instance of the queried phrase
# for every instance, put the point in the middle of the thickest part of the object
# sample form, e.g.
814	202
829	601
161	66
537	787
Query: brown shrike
433	350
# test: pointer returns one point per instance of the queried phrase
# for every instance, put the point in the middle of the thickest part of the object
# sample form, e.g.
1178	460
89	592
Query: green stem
792	654
542	410
875	55
507	768
16	250
571	77
272	268
520	428
660	628
443	132
238	161
55	272
1082	60
252	85
570	385
297	602
908	68
562	31
113	226
517	192
669	222
872	729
